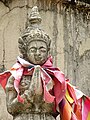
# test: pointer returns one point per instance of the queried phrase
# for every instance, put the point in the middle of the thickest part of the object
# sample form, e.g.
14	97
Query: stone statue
35	90
34	45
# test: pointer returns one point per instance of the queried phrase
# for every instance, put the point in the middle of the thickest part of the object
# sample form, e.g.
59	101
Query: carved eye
43	50
33	50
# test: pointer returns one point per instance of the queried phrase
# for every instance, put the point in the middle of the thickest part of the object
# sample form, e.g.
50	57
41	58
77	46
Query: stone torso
34	107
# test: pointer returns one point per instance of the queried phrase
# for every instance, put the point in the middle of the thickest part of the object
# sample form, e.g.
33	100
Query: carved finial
34	17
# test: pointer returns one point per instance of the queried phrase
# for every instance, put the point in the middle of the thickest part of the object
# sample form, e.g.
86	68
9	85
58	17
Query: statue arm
13	105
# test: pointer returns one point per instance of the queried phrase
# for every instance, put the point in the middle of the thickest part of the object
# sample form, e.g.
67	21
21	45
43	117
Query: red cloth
4	77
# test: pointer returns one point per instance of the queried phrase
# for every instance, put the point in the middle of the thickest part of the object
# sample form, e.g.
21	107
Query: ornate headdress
33	32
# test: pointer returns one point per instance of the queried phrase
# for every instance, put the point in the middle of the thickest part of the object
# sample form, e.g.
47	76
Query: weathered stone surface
3	111
76	41
70	34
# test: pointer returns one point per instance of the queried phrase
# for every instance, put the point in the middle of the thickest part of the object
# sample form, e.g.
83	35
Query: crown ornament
34	16
33	32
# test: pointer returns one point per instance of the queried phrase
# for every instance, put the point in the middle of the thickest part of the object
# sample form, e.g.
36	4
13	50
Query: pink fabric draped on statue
47	70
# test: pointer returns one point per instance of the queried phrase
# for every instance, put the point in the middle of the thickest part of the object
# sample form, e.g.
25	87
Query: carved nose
37	52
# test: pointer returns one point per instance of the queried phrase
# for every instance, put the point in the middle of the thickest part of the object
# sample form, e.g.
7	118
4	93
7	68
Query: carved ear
20	40
22	46
49	45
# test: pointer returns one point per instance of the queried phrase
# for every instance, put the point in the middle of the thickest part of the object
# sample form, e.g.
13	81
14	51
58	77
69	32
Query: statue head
34	43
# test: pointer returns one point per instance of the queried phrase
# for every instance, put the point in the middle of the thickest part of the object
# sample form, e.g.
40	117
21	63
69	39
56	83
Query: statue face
37	52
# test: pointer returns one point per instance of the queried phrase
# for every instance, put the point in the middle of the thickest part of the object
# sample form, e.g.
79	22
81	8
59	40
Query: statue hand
28	95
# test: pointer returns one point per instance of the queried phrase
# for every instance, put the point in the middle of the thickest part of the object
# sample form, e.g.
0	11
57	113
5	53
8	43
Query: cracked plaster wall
70	33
